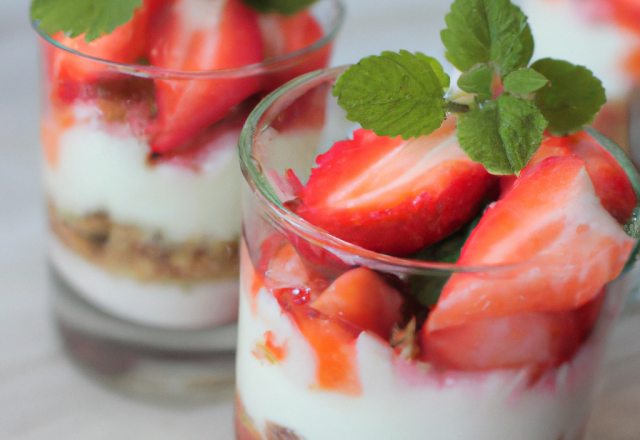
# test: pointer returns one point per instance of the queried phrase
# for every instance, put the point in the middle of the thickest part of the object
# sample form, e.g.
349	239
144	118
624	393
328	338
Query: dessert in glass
139	133
362	318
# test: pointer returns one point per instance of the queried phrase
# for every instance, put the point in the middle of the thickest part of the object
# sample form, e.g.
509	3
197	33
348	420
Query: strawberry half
70	73
364	299
552	222
201	35
394	196
285	34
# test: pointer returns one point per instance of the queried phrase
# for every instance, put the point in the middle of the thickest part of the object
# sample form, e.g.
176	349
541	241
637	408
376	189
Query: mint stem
454	107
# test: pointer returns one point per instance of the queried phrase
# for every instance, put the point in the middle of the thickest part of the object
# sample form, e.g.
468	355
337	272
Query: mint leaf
285	7
477	80
445	80
482	31
524	81
632	227
503	134
76	17
573	97
479	137
521	129
394	94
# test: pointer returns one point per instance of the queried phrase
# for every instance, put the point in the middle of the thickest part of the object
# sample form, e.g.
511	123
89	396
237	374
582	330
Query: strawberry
362	298
201	35
394	196
611	183
551	226
70	73
526	339
286	34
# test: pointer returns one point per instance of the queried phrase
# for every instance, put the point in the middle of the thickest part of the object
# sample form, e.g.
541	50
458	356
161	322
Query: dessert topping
504	107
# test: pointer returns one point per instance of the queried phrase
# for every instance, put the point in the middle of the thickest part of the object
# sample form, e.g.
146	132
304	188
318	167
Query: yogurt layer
98	170
563	30
401	400
187	305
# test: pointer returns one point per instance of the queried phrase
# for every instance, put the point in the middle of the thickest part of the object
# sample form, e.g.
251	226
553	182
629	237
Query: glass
303	373
143	200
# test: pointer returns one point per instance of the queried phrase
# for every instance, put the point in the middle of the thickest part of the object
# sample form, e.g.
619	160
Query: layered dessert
449	265
603	34
139	130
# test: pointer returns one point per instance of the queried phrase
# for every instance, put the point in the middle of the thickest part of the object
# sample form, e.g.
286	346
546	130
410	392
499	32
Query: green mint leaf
76	17
479	137
573	97
394	94
482	31
503	134
521	129
445	80
477	80
524	81
285	7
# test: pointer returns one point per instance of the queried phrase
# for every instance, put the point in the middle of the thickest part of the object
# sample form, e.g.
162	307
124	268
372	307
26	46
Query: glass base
167	366
618	402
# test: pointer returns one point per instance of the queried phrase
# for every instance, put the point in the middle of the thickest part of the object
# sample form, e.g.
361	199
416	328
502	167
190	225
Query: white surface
41	395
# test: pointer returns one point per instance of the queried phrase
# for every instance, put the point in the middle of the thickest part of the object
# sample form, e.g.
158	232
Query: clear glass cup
306	373
143	202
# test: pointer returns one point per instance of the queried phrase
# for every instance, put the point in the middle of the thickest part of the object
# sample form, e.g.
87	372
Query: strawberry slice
394	196
201	35
364	299
551	222
69	73
285	34
540	340
611	183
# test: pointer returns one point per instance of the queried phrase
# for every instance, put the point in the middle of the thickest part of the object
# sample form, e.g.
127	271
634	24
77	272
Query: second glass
141	174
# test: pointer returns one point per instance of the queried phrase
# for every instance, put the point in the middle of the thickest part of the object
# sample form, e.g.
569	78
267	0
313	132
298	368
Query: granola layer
127	250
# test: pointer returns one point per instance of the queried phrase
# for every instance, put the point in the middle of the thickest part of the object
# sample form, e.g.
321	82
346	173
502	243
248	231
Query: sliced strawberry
611	183
609	178
292	282
286	34
552	223
364	299
69	73
198	35
526	339
394	196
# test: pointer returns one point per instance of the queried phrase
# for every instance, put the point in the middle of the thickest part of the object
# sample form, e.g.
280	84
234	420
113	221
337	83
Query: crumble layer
126	250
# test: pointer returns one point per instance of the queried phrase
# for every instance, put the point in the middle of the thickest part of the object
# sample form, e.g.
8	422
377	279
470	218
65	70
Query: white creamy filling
561	31
401	403
99	171
193	305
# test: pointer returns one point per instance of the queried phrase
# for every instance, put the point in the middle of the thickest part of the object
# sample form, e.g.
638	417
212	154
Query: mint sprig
507	106
94	18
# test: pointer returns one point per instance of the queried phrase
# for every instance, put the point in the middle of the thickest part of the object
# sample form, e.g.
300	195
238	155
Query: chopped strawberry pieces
199	36
564	245
394	196
364	299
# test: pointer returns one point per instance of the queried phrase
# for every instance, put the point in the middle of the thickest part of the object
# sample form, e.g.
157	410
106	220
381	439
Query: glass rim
263	67
273	206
